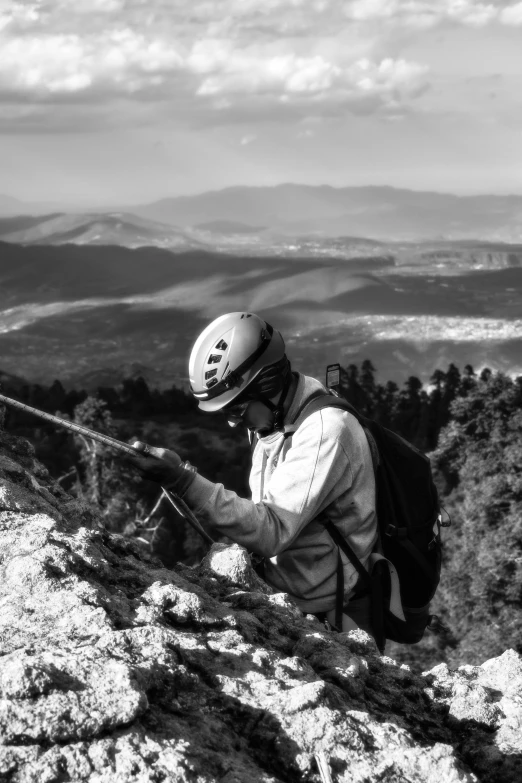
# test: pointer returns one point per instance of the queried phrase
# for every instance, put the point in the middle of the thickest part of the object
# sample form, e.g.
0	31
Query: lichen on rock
114	669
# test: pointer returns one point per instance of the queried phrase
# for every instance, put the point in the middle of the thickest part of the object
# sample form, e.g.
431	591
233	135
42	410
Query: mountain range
373	212
291	210
114	228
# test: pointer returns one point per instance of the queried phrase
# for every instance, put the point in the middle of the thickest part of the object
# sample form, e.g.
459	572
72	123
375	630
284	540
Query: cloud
251	70
289	78
512	15
248	139
423	13
68	63
209	60
21	15
388	75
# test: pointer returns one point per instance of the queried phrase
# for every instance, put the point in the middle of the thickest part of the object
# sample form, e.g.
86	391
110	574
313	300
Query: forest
469	424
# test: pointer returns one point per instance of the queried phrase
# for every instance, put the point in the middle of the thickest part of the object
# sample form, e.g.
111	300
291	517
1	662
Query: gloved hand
161	465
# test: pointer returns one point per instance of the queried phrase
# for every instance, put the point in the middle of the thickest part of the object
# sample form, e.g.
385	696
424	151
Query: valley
91	315
411	280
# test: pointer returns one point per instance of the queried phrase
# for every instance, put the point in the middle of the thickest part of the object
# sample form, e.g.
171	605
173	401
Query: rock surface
114	669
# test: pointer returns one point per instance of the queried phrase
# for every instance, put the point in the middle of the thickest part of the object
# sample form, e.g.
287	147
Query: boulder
114	669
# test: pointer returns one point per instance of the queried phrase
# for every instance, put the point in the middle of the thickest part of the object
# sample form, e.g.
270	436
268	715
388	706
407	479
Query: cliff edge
114	669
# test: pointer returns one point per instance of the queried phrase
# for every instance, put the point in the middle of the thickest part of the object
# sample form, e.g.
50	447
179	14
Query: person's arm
315	471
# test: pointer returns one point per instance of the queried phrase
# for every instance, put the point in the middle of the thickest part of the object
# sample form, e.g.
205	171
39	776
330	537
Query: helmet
228	355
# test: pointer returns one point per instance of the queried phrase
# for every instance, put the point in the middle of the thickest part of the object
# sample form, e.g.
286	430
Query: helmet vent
221	346
214	358
210	374
211	383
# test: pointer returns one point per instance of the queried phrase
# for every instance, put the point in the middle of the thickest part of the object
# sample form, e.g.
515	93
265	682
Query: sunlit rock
114	669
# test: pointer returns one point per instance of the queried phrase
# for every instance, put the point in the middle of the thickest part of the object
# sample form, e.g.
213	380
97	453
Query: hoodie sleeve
315	471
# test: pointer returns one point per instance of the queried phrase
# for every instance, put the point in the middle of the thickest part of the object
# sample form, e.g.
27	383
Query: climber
300	477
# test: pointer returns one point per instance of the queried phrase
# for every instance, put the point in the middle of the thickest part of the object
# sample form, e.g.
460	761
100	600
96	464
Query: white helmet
228	355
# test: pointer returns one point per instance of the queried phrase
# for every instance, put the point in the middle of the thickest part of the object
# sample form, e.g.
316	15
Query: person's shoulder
332	421
343	427
338	417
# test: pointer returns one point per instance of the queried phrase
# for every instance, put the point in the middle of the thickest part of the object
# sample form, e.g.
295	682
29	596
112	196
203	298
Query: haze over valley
92	297
263	217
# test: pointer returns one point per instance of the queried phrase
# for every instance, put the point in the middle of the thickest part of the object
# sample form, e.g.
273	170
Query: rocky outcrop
114	669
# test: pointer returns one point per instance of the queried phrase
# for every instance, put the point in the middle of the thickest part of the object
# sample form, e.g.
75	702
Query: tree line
132	399
415	411
92	471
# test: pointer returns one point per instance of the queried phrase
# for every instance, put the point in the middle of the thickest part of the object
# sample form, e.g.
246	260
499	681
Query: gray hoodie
323	471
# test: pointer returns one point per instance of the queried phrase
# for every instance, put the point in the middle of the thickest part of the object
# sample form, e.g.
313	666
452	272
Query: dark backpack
409	522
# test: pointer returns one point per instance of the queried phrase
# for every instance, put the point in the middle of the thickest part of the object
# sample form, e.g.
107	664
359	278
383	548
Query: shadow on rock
116	670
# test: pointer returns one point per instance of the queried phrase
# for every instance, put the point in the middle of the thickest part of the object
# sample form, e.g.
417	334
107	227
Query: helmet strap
278	408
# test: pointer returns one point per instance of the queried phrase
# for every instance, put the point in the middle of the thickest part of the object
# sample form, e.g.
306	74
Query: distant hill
116	228
18	224
264	213
228	227
381	213
45	274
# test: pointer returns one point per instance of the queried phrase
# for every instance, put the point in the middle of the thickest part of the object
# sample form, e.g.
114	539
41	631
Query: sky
120	102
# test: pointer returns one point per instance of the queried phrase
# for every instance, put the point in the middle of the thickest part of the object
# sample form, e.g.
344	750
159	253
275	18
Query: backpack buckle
444	522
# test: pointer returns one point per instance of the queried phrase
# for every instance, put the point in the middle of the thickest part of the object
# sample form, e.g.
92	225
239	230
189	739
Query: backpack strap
316	403
343	544
321	400
339	593
298	419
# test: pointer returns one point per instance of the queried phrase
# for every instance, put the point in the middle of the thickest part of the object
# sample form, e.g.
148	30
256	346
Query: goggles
237	410
235	413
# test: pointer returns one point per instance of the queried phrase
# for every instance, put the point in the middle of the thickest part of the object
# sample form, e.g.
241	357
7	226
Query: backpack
409	523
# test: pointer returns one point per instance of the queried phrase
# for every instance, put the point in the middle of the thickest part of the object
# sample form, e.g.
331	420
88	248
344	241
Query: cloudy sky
125	101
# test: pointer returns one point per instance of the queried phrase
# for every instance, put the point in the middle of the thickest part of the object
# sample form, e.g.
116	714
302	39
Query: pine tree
410	411
389	400
351	387
450	391
56	397
368	388
106	480
468	380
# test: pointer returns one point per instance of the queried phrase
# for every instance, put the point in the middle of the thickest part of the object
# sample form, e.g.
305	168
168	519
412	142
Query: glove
162	466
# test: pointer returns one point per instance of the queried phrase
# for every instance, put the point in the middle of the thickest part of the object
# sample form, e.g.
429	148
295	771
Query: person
301	475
